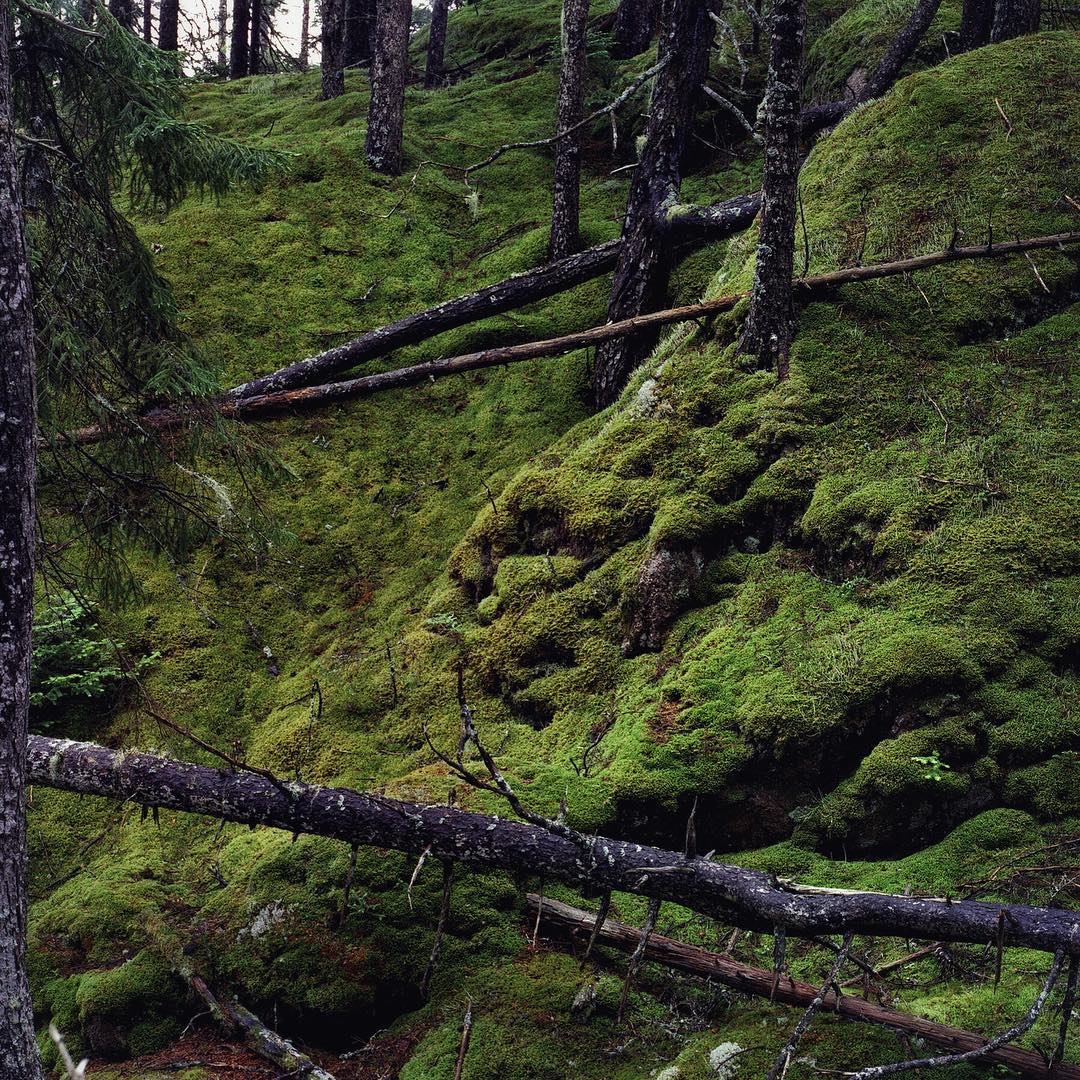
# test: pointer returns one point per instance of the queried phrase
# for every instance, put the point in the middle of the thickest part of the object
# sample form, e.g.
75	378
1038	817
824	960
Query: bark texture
635	24
565	233
748	898
359	31
389	62
641	275
976	24
436	49
305	35
690	959
1012	18
901	49
123	11
169	25
238	47
148	21
255	48
769	323
18	424
333	49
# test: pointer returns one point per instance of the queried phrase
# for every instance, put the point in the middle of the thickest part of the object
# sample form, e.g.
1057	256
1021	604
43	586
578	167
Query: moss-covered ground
868	680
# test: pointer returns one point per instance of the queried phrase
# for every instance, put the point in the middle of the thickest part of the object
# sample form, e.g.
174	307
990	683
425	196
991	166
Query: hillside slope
840	611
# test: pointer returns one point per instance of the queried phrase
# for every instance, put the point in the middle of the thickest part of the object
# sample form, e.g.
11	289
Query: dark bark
900	50
305	35
769	324
436	49
18	423
389	62
644	266
333	49
976	23
238	47
752	899
359	31
258	406
123	11
566	208
255	47
169	25
148	21
635	24
692	960
1013	18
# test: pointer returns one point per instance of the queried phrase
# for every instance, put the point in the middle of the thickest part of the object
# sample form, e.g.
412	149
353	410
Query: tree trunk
692	960
565	236
238	49
752	899
440	9
635	24
305	35
148	21
223	34
641	276
255	48
769	324
123	11
389	61
900	50
18	424
1013	18
359	30
976	24
169	25
333	45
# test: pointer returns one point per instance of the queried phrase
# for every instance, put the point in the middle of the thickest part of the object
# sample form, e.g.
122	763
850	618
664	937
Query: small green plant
934	766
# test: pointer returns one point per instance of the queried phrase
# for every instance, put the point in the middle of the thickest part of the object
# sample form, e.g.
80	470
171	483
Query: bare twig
440	929
463	1048
75	1072
639	954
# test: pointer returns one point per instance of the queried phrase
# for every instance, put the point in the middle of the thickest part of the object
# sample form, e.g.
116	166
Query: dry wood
758	982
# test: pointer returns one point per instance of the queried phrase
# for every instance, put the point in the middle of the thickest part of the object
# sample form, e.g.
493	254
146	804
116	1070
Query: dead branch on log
258	407
440	929
693	960
751	899
262	1041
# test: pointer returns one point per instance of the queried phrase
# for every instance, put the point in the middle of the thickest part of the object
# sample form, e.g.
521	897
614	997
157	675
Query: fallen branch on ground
257	407
758	982
747	898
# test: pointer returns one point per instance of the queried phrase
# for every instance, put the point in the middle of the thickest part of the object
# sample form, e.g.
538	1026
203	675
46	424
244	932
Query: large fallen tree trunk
747	898
257	407
570	921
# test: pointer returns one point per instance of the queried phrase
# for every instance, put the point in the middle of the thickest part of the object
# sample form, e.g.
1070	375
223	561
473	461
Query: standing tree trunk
169	25
333	44
148	21
359	30
386	115
123	11
223	34
565	237
255	48
238	50
635	24
1012	18
641	275
769	325
305	35
436	47
18	427
976	23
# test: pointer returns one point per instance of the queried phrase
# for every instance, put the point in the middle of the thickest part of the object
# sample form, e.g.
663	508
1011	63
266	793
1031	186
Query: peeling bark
769	324
641	276
748	898
565	235
389	61
433	74
18	423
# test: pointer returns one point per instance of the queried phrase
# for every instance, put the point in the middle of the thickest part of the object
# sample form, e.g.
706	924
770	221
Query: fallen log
260	406
564	920
268	1044
748	898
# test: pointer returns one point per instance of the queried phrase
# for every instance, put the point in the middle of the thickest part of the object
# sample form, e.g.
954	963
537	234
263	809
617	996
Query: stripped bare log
749	898
259	407
268	1044
566	920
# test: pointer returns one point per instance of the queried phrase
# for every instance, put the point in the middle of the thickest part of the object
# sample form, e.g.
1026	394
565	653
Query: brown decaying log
311	397
748	898
758	982
259	1038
